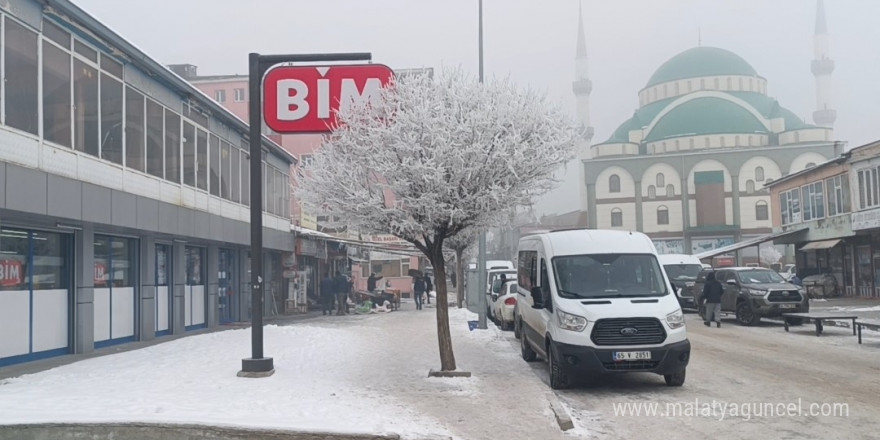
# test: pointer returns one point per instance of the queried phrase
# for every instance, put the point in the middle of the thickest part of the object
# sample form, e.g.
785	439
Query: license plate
787	306
631	355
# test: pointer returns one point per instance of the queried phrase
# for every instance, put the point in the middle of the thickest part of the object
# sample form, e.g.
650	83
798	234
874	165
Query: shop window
111	119
189	154
616	217
837	189
614	183
135	156
813	196
214	158
155	153
56	95
662	215
195	266
202	159
85	108
245	179
172	146
21	98
761	212
14	253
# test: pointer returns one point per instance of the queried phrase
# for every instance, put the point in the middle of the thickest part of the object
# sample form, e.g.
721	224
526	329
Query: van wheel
526	351
558	379
675	379
745	315
517	328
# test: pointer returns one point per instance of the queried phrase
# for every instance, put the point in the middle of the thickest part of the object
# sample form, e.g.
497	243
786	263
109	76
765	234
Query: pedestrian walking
418	290
341	284
711	299
328	291
452	278
429	286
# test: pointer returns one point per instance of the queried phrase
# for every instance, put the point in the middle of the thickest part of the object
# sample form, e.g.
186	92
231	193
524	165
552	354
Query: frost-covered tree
427	158
770	255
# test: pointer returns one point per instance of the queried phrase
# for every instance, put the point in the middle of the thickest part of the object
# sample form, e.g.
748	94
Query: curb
559	411
164	431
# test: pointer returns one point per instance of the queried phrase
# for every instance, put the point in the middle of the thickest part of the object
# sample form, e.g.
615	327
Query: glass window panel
235	179
122	262
21	78
86	51
102	261
245	180
268	189
163	257
134	130
55	33
111	119
202	160
215	165
111	66
13	259
56	95
832	197
189	154
50	269
155	154
85	107
845	195
225	163
279	193
195	266
172	146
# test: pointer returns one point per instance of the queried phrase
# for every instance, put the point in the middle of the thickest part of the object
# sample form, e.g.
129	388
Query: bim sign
305	99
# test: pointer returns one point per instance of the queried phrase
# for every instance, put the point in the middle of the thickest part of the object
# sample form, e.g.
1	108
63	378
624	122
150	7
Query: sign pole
258	365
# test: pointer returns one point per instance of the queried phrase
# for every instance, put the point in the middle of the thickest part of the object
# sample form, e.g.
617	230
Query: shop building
124	193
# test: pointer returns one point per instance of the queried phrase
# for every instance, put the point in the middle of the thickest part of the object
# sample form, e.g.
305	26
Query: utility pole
481	259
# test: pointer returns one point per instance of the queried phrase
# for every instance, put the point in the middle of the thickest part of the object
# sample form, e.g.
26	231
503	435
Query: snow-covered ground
365	373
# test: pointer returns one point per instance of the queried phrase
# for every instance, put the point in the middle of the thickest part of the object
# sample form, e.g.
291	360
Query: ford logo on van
629	331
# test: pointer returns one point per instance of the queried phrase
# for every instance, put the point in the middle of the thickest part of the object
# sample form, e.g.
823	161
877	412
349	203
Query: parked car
753	293
597	302
503	302
682	270
493	279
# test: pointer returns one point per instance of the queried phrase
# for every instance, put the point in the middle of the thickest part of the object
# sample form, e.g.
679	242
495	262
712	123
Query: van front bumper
580	360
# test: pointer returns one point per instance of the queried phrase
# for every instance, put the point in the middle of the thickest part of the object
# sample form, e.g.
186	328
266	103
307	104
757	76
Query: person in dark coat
452	278
341	283
418	290
711	299
371	281
429	286
328	291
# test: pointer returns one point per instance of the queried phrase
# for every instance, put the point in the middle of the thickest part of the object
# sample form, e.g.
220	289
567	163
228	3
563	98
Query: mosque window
750	141
652	192
740	84
729	83
614	183
616	217
708	142
691	141
810	165
759	174
736	141
663	150
661	180
677	145
662	215
750	186
654	94
677	92
665	90
690	86
717	86
751	84
761	211
670	190
702	84
722	142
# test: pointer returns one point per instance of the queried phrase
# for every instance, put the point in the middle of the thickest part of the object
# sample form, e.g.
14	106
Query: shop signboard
865	219
11	273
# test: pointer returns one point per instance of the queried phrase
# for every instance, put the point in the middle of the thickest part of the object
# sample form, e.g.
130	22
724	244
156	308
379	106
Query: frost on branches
770	255
431	157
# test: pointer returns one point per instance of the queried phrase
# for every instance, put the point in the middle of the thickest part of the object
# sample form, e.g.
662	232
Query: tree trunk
459	276
447	357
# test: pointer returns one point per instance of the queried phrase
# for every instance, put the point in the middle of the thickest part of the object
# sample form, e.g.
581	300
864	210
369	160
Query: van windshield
608	276
683	271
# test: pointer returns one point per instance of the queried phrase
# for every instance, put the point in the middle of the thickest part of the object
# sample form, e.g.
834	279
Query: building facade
688	168
124	193
833	212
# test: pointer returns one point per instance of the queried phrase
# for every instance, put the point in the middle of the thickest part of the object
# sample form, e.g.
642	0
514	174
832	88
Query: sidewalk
346	374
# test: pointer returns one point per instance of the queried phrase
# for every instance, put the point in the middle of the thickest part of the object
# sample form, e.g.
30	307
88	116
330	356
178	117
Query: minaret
822	66
582	86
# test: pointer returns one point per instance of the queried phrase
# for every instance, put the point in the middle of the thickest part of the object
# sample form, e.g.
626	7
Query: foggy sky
531	41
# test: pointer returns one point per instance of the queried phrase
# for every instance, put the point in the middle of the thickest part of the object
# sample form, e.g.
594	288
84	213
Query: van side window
526	270
545	286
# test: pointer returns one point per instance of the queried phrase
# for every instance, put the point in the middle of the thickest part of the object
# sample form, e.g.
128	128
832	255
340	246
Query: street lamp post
481	258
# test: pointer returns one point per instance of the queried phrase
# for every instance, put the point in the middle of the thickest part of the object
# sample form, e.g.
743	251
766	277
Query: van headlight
675	319
571	322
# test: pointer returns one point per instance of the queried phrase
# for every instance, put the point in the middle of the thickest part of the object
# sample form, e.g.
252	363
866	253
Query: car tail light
510	301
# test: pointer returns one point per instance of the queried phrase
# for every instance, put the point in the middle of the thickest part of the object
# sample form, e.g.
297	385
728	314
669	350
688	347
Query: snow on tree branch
432	157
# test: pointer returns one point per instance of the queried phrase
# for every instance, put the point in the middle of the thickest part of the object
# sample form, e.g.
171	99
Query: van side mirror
537	298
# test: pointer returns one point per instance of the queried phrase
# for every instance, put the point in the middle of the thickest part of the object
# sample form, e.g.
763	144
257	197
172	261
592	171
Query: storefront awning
824	244
747	243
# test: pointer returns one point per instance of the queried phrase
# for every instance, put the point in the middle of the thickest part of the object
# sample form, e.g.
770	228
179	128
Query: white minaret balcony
822	67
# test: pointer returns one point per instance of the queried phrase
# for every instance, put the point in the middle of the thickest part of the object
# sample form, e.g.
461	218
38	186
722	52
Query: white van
597	301
682	270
